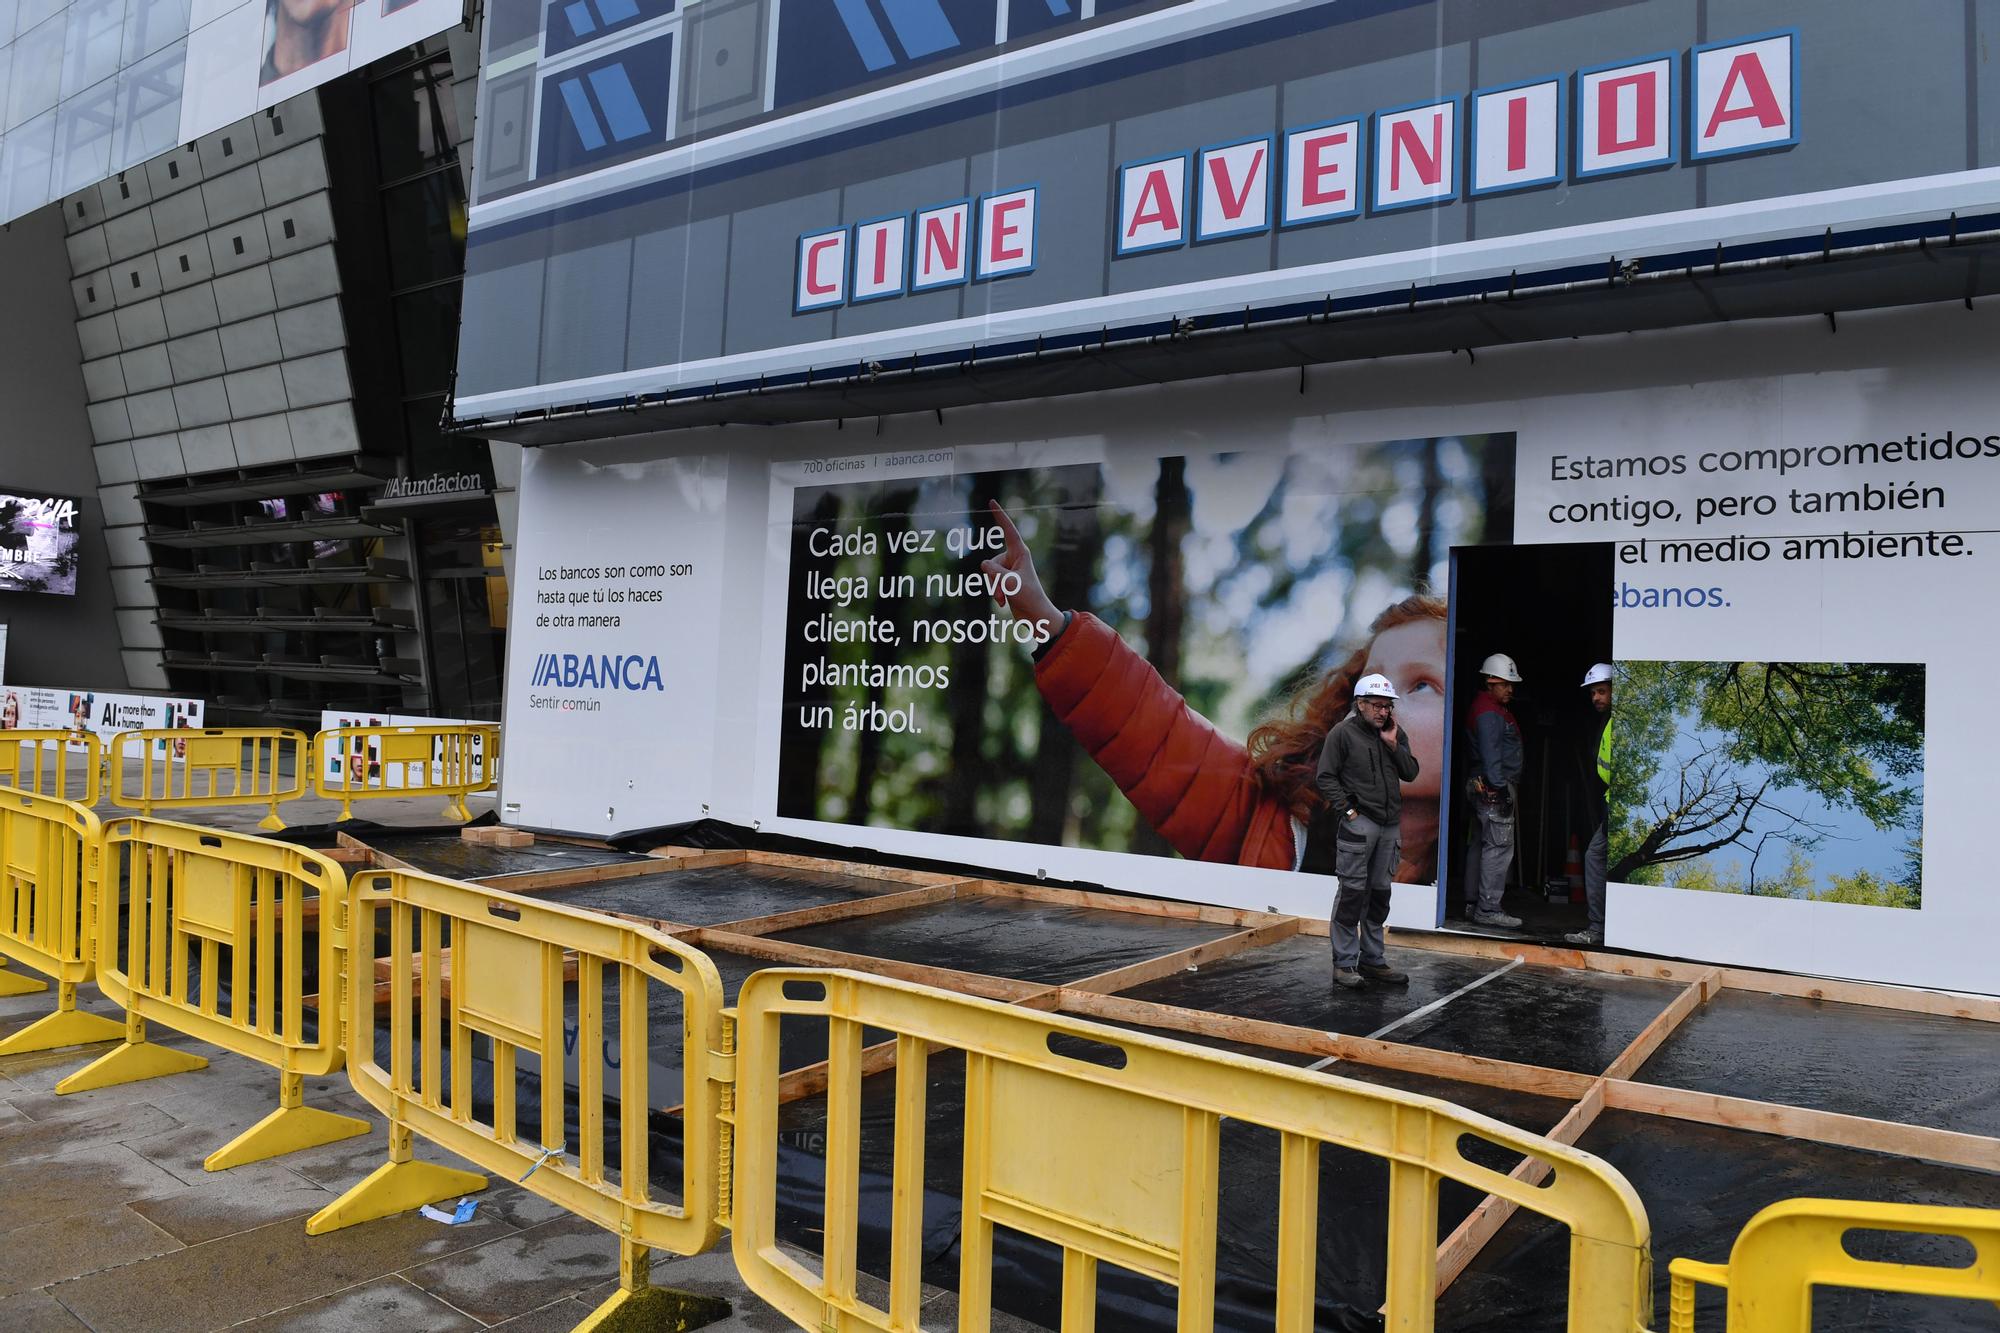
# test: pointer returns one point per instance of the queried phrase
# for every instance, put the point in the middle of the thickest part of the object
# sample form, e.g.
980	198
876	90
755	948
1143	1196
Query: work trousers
1596	859
1486	872
1364	859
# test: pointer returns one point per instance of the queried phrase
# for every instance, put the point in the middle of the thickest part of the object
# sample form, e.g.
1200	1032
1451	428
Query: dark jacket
1357	771
1496	741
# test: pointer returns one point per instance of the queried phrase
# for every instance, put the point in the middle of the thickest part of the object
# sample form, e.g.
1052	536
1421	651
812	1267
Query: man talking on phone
1362	769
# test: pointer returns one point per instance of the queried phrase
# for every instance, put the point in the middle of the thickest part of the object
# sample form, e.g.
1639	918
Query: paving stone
213	1120
27	1140
93	1179
224	1203
272	1268
386	1303
558	1317
37	1312
46	1253
524	1271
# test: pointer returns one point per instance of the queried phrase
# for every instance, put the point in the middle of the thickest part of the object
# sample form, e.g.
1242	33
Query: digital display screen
38	543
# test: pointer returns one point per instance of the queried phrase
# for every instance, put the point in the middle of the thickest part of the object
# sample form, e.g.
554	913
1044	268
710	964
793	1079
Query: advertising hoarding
92	88
39	544
740	193
1775	529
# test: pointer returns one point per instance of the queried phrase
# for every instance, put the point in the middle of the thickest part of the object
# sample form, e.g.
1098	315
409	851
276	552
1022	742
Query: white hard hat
1374	686
1597	675
1500	666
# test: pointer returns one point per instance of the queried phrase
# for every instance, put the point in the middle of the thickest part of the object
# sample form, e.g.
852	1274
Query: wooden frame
1615	1088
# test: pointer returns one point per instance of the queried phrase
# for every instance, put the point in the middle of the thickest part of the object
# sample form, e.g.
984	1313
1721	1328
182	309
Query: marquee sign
956	178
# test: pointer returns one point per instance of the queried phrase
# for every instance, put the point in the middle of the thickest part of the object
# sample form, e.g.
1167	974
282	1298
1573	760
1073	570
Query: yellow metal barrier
361	763
1792	1247
212	766
48	887
468	969
51	762
224	935
1119	1164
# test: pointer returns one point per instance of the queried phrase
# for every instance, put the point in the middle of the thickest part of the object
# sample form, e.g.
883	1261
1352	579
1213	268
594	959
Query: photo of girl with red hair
1213	798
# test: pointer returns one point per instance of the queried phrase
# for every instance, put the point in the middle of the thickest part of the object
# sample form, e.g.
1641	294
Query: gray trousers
1486	872
1596	861
1364	859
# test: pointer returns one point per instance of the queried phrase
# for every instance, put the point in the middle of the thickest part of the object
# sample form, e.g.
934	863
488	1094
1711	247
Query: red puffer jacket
1190	782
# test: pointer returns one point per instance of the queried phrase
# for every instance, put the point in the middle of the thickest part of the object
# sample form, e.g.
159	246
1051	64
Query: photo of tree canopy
1775	779
1241	578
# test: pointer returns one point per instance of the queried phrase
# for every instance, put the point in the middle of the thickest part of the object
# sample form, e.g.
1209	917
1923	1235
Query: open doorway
1548	608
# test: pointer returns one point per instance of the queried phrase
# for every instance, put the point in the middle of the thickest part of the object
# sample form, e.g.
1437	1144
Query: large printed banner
98	87
1104	640
1139	655
97	711
679	196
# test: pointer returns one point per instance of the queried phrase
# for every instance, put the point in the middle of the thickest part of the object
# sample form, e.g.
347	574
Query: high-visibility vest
1604	754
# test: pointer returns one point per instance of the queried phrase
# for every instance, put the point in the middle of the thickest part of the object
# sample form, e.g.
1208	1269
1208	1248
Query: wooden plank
1796	1122
1463	1245
697	858
854	869
847	911
1058	896
800	955
1641	1047
1166	965
541	881
1905	999
1309	1041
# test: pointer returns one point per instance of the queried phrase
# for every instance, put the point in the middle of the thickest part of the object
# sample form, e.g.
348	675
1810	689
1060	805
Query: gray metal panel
320	431
114	462
147	368
98	335
307	276
583	316
239	244
494	353
191	309
264	440
141	323
316	380
121	504
154	413
232	194
243	295
196	357
256	393
308	220
87	249
674	297
208	448
296	171
254	342
129	234
307	329
109	421
103	379
158	456
179	215
136	279
203	403
185	263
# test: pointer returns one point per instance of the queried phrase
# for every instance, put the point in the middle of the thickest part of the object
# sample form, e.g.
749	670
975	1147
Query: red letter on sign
1232	204
1319	169
1002	235
1156	206
1747	73
1427	160
1646	86
814	285
942	248
1517	133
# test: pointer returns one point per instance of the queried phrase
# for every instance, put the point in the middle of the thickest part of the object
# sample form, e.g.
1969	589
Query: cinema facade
1267	341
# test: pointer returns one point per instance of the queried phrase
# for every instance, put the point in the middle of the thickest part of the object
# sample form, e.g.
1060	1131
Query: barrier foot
457	811
271	823
129	1064
639	1307
391	1188
286	1130
13	983
65	1027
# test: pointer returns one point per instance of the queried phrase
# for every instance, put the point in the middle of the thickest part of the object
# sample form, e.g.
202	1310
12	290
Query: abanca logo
607	671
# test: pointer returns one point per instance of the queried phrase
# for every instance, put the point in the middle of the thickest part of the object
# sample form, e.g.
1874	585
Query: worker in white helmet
1496	768
1597	681
1362	769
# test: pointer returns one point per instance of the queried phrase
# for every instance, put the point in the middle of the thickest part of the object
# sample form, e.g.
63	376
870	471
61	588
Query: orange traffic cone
1573	868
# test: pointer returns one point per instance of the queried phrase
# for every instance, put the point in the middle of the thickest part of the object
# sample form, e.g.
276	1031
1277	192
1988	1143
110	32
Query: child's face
1412	657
